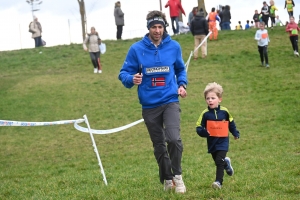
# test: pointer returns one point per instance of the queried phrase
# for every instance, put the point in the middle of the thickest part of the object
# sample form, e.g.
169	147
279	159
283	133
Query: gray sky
61	24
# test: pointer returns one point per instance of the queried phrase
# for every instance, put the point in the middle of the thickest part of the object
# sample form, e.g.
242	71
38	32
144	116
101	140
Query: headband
155	20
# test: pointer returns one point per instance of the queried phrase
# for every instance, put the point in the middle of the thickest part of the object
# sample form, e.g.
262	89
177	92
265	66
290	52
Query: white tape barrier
21	123
79	128
95	149
188	62
114	130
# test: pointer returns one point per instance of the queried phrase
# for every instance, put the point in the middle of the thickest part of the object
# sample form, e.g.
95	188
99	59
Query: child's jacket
218	114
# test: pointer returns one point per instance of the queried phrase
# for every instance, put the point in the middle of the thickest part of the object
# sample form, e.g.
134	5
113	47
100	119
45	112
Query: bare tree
83	18
201	4
34	5
180	15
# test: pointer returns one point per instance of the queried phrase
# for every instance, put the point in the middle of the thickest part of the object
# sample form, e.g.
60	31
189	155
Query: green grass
58	162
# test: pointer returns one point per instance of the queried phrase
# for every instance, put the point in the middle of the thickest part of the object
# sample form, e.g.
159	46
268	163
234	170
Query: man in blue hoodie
156	66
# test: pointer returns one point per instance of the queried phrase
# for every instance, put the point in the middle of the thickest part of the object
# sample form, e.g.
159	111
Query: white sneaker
297	54
99	71
168	185
179	184
216	185
95	70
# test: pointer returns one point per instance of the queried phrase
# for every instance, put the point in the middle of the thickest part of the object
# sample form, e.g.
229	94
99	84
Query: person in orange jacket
175	6
212	18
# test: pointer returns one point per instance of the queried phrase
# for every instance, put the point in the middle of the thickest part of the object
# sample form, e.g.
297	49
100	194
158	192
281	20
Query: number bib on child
264	35
217	128
295	32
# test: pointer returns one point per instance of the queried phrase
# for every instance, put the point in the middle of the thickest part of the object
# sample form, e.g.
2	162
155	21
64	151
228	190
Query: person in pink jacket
175	8
293	29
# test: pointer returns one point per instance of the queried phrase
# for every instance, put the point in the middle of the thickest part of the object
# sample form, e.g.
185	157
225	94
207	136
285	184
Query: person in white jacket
35	28
93	40
263	40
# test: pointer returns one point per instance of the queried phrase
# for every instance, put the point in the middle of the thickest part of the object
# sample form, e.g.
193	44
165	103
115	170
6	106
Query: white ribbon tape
20	123
114	130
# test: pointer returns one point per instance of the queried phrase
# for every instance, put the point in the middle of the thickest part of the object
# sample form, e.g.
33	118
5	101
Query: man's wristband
184	86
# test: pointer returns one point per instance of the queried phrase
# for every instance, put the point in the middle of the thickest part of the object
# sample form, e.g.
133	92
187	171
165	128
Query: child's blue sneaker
228	168
216	185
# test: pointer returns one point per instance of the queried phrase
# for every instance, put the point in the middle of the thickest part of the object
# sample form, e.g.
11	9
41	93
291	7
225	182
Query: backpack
30	30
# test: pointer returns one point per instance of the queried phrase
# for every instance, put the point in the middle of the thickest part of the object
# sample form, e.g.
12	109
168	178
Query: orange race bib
264	35
217	128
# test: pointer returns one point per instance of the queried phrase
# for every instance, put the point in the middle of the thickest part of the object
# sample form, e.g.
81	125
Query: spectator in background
175	8
192	15
247	26
199	29
119	19
256	19
293	29
289	5
212	18
220	15
239	26
94	41
35	28
225	18
252	25
272	12
265	11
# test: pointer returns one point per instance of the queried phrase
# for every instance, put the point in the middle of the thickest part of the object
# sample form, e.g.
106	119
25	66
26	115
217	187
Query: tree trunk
201	4
83	18
180	15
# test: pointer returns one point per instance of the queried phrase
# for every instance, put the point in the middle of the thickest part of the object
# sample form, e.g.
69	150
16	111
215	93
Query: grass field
58	162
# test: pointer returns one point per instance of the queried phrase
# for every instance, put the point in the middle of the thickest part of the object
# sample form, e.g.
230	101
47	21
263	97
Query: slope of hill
58	162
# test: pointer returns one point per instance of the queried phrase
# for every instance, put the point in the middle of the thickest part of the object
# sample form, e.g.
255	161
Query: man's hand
137	79
182	92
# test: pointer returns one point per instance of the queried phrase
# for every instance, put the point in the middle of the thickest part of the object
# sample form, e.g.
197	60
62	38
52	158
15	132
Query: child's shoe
216	185
229	169
262	64
168	185
267	65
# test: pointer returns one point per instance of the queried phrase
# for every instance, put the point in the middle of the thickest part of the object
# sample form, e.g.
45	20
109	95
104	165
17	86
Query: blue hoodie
163	71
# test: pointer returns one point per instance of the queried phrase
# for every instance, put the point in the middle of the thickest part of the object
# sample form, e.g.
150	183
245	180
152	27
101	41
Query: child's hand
236	138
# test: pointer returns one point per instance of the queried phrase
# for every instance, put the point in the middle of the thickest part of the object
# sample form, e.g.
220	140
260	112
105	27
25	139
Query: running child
263	40
293	29
278	22
256	19
272	12
213	124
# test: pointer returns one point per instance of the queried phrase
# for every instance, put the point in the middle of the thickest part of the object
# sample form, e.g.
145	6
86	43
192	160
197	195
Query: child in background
263	40
278	21
272	13
256	19
252	25
289	5
239	26
217	145
293	29
247	26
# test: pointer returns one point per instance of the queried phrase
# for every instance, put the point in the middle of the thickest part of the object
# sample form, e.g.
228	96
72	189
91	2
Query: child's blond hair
213	87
